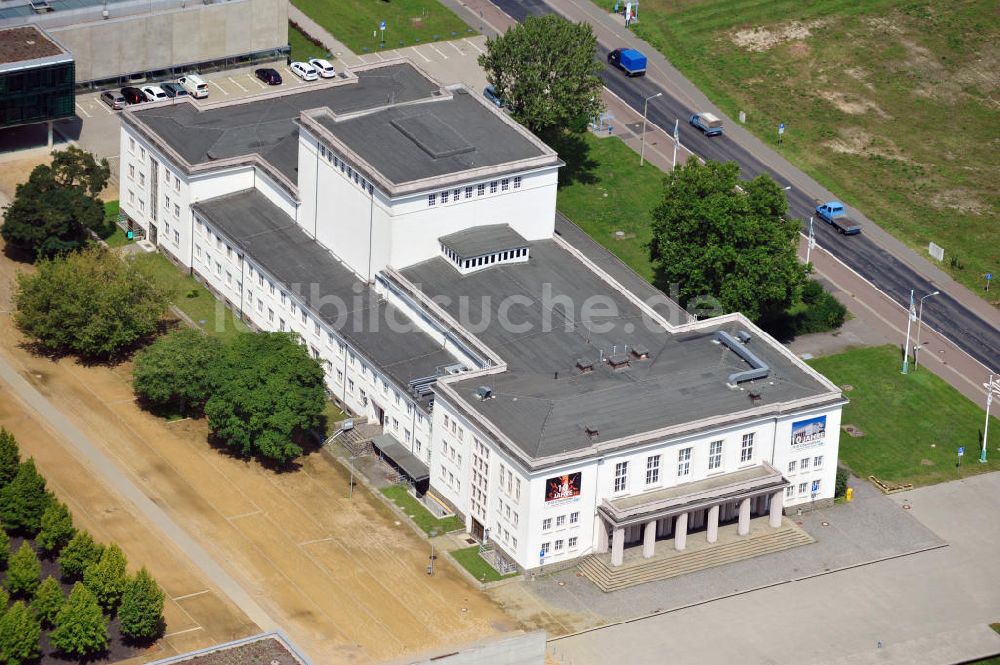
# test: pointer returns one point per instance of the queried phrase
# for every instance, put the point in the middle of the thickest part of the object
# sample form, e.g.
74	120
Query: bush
24	571
80	553
10	457
56	528
49	599
811	291
141	611
80	628
19	635
24	500
4	550
840	484
107	577
175	371
823	312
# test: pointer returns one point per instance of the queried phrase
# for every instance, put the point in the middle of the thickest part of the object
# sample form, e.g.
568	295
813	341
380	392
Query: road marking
237	84
473	45
318	540
82	109
104	107
257	81
460	51
438	51
242	515
426	59
224	91
186	630
191	595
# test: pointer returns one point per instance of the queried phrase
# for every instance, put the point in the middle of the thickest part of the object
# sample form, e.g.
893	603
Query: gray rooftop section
404	459
448	135
481	240
275	242
268	126
545	404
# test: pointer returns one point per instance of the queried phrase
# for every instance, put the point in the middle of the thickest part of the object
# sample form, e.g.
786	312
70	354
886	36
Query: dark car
113	99
173	89
268	76
134	95
490	93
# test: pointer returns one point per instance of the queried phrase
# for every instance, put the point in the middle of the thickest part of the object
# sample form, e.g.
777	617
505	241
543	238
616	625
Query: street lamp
993	387
920	322
645	107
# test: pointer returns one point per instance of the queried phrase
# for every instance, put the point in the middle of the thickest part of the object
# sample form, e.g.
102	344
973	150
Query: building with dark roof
407	233
37	78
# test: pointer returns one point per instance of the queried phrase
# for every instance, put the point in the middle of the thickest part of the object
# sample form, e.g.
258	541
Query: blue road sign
541	554
781	128
961	451
989	276
381	25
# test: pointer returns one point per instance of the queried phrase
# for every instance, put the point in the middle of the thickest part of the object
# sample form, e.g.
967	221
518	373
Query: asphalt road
972	334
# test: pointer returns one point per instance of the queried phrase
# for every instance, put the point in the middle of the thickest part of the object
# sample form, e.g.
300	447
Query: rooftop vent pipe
759	368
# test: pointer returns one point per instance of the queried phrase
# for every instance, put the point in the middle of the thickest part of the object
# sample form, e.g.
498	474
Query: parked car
115	100
304	71
195	86
268	75
630	61
154	93
173	89
709	124
133	95
324	68
490	93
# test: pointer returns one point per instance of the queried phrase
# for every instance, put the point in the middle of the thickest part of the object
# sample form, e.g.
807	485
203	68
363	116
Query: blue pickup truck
833	213
709	124
630	61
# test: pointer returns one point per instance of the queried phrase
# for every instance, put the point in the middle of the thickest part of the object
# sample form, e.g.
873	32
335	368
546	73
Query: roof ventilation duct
759	369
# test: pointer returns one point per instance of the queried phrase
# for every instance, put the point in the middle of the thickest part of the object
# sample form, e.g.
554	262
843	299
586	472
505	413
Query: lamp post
911	316
645	107
993	386
920	322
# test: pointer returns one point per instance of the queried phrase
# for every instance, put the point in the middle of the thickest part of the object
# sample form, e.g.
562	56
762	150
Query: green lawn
192	298
112	233
470	560
420	515
302	48
913	424
889	103
332	414
408	22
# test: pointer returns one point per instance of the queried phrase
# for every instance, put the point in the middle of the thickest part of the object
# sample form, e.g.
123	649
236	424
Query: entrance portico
705	504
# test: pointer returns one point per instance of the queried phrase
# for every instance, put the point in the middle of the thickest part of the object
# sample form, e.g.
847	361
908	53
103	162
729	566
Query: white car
154	93
304	71
324	68
195	86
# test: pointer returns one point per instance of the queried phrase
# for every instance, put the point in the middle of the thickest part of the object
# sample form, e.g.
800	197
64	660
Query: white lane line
191	595
223	90
105	108
438	51
236	83
242	515
460	51
378	55
181	632
84	112
426	59
257	81
473	45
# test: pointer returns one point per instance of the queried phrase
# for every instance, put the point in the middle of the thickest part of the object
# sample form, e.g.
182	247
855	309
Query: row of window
506	536
346	169
574	518
168	177
803	464
455	195
684	456
489	259
804	488
557	545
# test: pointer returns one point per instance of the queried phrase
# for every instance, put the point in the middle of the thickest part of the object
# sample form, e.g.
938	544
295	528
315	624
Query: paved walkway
316	31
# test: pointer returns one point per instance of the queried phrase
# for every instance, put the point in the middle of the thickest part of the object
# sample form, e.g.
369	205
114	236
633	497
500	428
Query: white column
681	532
744	527
649	539
776	500
602	536
713	523
617	546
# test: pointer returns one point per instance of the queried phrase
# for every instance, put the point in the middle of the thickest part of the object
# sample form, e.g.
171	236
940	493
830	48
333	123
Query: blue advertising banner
809	433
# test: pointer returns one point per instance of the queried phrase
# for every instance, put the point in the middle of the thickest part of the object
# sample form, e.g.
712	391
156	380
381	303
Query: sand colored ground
342	577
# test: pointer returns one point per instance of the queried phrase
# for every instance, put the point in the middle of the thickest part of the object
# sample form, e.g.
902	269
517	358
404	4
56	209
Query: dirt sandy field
342	577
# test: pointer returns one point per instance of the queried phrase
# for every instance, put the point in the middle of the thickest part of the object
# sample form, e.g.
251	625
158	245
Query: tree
80	627
141	611
175	371
90	303
4	552
19	635
57	528
268	391
712	239
23	571
545	71
107	577
24	500
10	457
80	553
49	599
55	209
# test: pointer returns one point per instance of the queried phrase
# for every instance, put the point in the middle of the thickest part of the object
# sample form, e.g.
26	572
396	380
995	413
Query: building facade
37	78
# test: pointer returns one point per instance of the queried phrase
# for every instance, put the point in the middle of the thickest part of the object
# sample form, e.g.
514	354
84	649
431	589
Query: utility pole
920	322
677	141
992	386
812	241
645	107
911	316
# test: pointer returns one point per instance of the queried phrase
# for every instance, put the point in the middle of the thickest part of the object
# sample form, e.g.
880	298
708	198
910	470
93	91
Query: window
431	199
468	192
197	251
131	144
480	189
340	376
177	237
684	462
304	318
270	315
142	153
804	464
560	521
517	489
513	542
715	455
789	491
350	389
652	469
505	184
218	268
260	305
177	184
803	487
142	179
791	466
131	171
142	206
574	518
517	182
746	448
815	486
316	328
559	545
545	549
572	543
281	325
621	476
177	210
817	461
546	524
444	196
493	187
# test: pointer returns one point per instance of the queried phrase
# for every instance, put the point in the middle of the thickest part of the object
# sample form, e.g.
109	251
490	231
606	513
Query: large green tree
545	71
141	610
268	392
24	571
81	628
175	371
24	500
48	600
19	635
90	303
107	577
79	554
56	528
716	237
54	211
10	457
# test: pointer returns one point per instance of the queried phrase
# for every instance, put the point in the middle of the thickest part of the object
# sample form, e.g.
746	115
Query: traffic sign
541	554
781	128
381	26
961	451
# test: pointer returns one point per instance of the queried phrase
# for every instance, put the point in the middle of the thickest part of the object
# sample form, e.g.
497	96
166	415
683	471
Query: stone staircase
359	440
598	569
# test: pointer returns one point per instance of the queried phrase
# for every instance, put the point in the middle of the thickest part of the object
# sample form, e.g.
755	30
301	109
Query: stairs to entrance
636	570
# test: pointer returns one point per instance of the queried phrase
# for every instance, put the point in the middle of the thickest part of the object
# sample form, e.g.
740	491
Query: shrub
24	500
10	457
107	578
80	628
141	611
24	571
4	549
840	484
49	599
823	314
79	554
174	372
811	291
57	528
19	635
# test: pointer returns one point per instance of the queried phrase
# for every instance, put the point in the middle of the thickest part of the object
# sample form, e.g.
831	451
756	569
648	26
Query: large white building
408	233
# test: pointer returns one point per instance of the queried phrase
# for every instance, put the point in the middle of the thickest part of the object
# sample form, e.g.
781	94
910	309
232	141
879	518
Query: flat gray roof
544	403
481	240
276	243
268	126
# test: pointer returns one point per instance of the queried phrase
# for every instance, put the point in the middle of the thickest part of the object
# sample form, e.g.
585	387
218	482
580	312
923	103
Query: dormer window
483	246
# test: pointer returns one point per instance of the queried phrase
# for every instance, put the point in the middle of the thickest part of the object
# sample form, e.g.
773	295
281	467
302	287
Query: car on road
324	68
709	124
133	95
630	61
268	75
490	93
195	86
173	89
154	93
115	100
304	71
